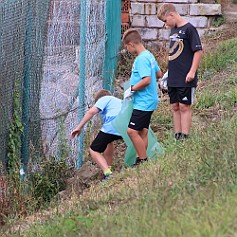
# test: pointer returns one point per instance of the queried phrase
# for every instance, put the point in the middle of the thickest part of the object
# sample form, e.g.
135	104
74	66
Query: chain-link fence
40	47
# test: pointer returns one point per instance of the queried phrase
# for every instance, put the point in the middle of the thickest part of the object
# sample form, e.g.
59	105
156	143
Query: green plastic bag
120	123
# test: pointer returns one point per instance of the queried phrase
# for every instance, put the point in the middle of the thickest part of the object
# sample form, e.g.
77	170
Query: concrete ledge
205	9
199	22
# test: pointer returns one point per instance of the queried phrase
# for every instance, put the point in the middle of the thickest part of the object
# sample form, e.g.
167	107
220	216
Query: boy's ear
171	14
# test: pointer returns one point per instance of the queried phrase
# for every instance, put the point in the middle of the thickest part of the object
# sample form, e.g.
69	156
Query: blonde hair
165	9
101	93
131	35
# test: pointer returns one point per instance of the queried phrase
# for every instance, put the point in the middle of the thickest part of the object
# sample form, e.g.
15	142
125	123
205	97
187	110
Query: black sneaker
184	136
178	135
139	161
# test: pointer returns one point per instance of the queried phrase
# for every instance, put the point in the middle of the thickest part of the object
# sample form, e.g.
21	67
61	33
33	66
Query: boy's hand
190	76
75	132
128	93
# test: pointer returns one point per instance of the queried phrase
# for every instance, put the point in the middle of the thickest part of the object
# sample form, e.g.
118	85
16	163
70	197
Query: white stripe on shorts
192	95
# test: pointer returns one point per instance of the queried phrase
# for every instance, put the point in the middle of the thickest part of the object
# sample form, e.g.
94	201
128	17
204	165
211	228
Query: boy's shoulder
145	55
186	26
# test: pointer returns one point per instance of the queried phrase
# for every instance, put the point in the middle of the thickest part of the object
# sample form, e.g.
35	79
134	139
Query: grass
222	58
190	191
225	94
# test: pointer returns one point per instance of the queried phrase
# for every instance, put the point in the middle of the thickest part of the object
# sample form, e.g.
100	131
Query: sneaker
184	136
106	177
178	135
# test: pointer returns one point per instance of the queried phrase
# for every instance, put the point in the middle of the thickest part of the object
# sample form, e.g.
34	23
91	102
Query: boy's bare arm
89	114
196	60
159	74
141	84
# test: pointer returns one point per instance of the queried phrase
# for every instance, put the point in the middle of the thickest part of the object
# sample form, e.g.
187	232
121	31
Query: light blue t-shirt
145	65
109	107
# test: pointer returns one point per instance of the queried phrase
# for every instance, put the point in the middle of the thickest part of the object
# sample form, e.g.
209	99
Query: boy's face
169	20
130	48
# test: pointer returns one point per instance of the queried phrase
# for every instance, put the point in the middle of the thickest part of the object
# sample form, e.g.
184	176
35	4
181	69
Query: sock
107	172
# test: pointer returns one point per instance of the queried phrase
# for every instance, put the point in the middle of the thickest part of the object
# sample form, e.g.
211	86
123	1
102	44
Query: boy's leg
108	153
103	143
138	142
181	100
138	130
99	159
177	118
144	136
186	109
174	101
186	118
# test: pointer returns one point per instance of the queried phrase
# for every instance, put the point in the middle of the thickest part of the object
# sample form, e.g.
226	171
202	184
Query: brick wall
143	16
126	7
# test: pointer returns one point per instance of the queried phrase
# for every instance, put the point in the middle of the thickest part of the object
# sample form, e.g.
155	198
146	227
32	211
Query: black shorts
140	119
102	140
184	95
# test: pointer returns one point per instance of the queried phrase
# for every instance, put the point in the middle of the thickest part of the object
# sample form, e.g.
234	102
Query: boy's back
109	107
145	65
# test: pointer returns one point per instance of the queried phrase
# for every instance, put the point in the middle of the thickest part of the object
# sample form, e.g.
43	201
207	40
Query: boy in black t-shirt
185	54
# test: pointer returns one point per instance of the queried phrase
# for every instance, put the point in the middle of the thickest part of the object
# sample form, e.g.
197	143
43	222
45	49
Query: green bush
50	180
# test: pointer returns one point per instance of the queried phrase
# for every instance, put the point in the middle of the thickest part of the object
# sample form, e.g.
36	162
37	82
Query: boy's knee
131	132
175	107
184	108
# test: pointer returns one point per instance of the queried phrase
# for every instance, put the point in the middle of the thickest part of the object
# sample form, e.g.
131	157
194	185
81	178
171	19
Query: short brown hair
101	93
165	9
131	35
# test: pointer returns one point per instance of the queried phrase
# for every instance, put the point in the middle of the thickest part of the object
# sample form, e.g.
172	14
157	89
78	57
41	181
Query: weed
49	180
220	59
218	21
17	197
205	100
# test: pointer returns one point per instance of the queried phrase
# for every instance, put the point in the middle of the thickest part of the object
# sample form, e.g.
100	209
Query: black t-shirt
184	42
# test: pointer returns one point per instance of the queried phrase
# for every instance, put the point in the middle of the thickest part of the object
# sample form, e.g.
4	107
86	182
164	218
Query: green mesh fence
21	51
40	48
113	39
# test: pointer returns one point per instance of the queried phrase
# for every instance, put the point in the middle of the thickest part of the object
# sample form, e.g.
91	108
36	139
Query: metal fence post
82	76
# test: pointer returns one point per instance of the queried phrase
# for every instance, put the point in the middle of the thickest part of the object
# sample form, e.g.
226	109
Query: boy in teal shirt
143	88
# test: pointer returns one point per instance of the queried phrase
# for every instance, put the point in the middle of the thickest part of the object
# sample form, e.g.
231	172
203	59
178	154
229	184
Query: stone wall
143	16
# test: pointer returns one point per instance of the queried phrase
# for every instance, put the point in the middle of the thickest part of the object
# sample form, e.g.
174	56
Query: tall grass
223	57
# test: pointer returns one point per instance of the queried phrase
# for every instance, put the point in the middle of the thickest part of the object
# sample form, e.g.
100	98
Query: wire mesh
20	61
40	48
59	95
